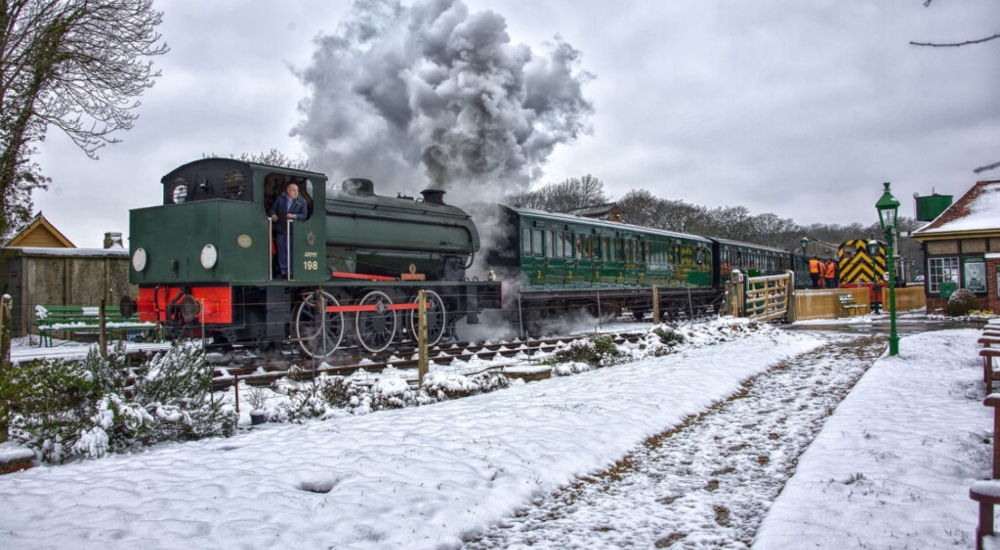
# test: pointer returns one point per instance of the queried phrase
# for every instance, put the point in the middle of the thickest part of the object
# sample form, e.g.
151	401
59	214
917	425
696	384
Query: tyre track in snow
707	483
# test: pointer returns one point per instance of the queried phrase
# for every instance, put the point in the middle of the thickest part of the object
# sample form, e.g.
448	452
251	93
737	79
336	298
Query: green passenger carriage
562	262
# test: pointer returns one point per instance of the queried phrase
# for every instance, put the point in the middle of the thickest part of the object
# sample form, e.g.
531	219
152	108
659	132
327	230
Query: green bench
850	306
69	319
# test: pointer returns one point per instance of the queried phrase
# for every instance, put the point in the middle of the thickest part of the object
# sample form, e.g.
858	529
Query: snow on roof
977	210
71	252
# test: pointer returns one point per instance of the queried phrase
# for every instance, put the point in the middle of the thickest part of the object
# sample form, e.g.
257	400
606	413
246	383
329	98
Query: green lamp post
888	208
805	262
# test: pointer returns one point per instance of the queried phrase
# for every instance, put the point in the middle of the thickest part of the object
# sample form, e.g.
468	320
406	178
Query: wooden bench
987	493
69	319
847	302
989	375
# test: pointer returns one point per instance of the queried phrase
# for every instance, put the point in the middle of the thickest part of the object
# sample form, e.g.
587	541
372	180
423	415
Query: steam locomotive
205	261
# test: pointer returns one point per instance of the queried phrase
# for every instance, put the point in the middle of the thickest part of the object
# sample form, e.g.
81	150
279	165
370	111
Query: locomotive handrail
288	249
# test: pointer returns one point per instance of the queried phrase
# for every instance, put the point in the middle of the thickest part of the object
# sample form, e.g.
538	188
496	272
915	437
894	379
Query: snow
117	251
890	468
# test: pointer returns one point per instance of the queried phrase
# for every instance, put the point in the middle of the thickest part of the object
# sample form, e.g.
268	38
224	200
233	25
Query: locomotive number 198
310	265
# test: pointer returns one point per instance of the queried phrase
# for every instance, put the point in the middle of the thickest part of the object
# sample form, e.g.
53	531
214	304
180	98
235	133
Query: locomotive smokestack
435	196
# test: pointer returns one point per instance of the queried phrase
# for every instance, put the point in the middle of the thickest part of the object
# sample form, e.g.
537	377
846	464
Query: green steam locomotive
206	262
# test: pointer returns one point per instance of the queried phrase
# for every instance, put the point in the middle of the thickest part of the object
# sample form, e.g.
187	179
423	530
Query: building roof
40	233
977	211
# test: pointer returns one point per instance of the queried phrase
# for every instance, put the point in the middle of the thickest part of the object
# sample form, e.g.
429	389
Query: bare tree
570	194
274	157
958	45
77	65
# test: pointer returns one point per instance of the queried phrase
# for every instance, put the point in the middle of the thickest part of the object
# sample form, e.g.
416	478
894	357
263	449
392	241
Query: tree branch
987	167
956	44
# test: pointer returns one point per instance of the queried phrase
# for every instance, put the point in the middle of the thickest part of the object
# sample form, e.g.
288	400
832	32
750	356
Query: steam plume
398	91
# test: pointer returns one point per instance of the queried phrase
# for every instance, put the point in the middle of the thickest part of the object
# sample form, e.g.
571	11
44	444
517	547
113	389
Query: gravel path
709	482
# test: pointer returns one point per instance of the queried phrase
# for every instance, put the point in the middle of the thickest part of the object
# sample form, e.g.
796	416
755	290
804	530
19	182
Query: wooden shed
40	266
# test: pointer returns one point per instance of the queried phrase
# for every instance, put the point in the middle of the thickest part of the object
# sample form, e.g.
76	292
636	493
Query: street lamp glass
887	207
805	243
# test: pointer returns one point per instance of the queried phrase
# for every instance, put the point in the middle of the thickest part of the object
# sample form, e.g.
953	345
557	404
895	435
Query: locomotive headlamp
209	256
139	259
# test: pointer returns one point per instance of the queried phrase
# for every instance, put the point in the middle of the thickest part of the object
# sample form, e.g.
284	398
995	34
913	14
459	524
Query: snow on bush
69	409
961	302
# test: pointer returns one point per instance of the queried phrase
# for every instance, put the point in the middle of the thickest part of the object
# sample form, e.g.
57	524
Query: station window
941	270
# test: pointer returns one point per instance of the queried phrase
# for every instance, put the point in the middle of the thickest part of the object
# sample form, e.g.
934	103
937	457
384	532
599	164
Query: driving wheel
377	327
318	332
436	318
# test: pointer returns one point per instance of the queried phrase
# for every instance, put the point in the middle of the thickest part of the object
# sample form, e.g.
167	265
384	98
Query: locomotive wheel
436	318
376	329
318	334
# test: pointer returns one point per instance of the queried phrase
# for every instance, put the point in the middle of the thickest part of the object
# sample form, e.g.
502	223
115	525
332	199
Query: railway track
262	371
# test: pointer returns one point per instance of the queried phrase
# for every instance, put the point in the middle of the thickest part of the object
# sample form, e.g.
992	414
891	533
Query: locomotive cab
212	233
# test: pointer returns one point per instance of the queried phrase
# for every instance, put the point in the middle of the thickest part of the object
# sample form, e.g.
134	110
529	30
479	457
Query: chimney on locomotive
434	196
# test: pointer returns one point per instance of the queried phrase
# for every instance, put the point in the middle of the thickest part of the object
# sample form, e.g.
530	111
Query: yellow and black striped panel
855	265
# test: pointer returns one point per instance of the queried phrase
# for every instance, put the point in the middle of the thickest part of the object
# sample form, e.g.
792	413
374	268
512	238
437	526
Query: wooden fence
760	298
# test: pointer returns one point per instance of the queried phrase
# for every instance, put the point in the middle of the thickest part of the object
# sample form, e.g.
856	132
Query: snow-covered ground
890	468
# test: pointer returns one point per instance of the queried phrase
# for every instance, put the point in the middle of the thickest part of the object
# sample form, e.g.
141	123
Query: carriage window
586	248
536	242
549	253
568	246
526	242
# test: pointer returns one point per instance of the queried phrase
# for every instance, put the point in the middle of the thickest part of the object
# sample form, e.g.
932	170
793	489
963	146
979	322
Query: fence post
520	317
422	334
6	319
790	312
599	311
656	305
102	333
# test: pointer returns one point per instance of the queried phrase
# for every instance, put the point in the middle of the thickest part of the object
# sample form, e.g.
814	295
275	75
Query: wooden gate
760	298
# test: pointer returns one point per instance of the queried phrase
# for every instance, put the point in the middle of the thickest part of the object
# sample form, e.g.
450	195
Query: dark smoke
398	91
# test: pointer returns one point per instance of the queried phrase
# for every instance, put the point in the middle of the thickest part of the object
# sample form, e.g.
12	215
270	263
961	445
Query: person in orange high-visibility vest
814	271
831	274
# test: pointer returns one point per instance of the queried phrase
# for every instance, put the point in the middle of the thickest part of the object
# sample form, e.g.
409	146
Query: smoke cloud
432	96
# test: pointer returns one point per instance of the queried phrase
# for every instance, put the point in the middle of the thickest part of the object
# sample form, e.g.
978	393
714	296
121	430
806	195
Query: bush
669	337
65	409
962	302
597	351
331	395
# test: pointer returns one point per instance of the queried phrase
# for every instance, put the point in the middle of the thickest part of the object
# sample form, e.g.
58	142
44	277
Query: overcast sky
798	108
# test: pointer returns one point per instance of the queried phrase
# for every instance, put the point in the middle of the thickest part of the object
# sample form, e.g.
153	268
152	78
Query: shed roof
977	211
41	233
